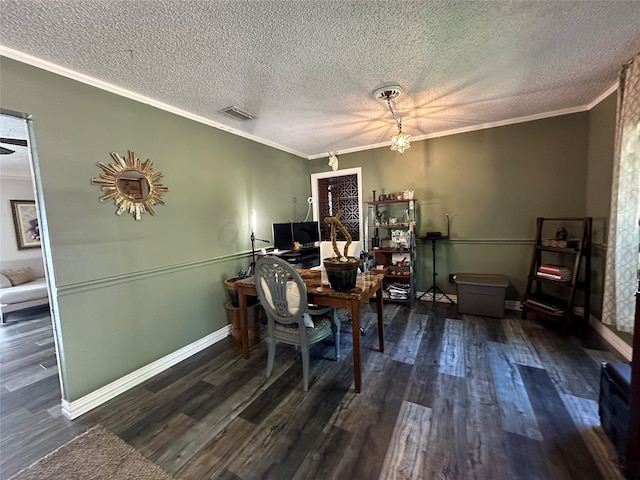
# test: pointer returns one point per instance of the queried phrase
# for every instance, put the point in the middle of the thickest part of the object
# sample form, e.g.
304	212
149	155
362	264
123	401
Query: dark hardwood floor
452	397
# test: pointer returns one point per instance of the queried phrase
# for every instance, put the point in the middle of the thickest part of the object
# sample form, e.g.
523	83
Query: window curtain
621	271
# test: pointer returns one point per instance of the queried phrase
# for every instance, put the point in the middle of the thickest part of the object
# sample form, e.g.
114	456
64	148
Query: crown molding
603	95
94	82
86	79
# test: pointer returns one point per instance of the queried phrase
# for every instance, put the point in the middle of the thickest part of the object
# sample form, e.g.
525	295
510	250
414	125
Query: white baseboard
96	398
611	338
607	335
508	304
90	401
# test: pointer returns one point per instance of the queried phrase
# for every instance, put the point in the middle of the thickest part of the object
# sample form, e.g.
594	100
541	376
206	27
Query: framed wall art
25	222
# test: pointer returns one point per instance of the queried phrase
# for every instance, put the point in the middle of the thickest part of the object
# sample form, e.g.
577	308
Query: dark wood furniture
556	298
304	258
614	406
633	442
320	293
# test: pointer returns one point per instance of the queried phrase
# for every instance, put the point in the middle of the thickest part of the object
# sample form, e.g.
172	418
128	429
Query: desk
303	258
367	284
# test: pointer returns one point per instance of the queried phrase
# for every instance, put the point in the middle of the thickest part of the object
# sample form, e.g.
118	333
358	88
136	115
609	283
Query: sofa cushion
33	290
35	264
4	281
18	276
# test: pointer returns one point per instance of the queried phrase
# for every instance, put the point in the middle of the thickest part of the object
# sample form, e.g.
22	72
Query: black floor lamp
252	267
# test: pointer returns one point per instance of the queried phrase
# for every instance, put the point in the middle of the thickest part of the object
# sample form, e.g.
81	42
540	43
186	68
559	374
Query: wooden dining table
319	292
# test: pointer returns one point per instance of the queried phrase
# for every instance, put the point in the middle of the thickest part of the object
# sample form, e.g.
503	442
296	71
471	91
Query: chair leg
271	355
335	328
304	350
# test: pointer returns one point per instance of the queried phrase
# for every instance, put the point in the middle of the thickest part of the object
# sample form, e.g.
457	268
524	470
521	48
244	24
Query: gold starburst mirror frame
131	184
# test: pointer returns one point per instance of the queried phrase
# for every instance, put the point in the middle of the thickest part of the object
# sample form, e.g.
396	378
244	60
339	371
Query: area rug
97	454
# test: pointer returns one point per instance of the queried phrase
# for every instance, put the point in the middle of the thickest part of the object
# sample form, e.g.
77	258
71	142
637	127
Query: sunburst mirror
132	185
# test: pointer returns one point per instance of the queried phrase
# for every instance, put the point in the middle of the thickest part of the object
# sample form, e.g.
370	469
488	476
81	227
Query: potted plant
341	269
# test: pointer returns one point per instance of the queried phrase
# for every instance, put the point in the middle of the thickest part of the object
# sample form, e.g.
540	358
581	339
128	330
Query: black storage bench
615	380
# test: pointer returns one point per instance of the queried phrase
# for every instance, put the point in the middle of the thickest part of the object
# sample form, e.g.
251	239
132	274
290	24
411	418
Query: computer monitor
306	233
282	236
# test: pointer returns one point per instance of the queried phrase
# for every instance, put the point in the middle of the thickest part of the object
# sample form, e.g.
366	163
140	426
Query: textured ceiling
307	69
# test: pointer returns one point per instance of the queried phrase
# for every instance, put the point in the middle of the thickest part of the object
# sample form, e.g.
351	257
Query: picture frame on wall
25	222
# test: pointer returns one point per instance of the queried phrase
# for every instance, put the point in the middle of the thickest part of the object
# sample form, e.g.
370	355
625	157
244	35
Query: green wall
131	292
600	168
493	183
128	292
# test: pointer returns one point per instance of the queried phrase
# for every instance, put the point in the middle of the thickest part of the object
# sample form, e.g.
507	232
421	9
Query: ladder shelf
559	277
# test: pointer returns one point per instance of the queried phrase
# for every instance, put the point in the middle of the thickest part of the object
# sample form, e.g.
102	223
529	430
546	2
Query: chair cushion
319	323
308	321
293	295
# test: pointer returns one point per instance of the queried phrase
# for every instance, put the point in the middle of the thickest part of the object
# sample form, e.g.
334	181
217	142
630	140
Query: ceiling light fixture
401	141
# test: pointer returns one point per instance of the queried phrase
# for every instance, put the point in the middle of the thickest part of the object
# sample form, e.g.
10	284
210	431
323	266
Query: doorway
19	178
338	190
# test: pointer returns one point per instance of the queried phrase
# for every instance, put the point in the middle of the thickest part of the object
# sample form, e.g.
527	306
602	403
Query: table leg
355	319
380	309
244	331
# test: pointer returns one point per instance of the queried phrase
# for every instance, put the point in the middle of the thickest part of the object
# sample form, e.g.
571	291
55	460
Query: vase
342	275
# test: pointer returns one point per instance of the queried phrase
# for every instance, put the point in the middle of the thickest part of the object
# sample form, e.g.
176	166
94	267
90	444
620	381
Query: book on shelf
545	306
554	272
399	290
558	278
554	269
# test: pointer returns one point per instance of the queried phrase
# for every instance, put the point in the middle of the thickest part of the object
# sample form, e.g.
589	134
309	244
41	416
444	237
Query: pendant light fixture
401	141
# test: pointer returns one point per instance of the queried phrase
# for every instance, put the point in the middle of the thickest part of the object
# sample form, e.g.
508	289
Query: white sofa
32	293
